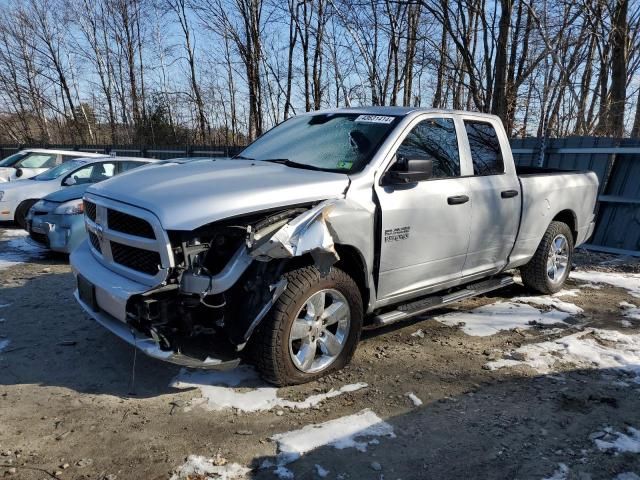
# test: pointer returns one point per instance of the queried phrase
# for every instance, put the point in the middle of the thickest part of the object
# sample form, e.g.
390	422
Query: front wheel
22	211
312	330
549	268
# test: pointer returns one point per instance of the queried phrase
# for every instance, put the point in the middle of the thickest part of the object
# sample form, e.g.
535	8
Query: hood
188	195
68	193
24	189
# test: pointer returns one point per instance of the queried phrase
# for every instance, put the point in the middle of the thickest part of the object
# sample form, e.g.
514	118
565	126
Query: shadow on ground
53	343
516	427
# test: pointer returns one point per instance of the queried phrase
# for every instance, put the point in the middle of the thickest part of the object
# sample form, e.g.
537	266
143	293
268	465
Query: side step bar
425	304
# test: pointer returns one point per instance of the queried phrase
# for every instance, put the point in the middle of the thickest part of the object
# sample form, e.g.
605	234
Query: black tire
535	273
270	343
22	211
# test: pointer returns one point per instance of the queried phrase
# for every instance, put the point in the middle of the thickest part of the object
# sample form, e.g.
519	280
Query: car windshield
342	142
60	170
11	160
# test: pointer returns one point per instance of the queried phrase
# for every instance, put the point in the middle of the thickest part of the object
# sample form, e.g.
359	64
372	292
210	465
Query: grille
136	258
90	210
125	223
95	242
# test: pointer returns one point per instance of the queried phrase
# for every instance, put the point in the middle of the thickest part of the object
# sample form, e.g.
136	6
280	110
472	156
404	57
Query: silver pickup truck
329	222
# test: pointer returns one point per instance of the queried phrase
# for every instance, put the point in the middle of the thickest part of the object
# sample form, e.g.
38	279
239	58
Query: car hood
188	195
24	189
68	193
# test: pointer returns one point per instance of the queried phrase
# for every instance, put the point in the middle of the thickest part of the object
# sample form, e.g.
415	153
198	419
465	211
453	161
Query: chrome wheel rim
558	259
319	332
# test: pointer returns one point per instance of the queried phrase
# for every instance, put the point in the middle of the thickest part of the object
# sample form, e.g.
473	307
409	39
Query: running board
423	305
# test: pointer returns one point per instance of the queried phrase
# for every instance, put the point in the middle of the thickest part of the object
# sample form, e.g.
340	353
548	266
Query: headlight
73	207
39	205
1	195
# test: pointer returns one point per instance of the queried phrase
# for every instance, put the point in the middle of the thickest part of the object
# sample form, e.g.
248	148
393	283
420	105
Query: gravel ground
70	407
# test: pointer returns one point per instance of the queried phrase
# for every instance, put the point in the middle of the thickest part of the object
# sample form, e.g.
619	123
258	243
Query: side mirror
67	182
19	172
410	170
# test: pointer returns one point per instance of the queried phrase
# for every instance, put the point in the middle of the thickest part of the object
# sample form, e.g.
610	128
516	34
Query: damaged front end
226	278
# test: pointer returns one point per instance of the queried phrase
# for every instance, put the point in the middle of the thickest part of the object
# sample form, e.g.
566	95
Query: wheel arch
569	218
27	201
352	262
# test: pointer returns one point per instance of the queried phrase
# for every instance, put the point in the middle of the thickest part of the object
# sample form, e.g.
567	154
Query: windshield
12	159
343	142
60	170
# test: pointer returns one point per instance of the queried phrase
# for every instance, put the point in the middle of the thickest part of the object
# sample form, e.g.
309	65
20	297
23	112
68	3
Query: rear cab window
485	148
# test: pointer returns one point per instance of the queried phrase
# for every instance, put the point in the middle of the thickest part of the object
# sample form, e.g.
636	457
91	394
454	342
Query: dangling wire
132	381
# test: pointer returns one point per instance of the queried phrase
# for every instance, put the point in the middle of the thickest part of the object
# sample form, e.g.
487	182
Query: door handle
509	194
457	200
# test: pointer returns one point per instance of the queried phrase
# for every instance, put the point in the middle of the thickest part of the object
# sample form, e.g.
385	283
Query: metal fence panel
616	163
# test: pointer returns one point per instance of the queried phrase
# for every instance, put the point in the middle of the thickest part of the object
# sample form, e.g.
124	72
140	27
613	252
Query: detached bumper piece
151	348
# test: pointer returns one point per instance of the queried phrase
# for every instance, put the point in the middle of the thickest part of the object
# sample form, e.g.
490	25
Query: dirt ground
69	407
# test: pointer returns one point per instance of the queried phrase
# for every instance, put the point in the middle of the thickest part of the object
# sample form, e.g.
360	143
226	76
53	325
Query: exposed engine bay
227	276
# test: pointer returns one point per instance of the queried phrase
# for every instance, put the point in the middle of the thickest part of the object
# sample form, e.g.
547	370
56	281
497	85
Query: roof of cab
75	153
399	111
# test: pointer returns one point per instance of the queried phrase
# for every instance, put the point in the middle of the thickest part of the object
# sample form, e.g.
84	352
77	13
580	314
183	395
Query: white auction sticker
374	119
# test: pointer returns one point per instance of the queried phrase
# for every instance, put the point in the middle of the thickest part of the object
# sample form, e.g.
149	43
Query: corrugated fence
616	162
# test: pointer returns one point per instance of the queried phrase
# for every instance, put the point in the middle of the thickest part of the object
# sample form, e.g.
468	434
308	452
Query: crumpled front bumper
112	292
61	233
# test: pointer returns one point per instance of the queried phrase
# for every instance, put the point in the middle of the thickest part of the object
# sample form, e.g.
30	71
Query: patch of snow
321	472
574	292
344	432
551	301
18	248
592	348
561	473
628	281
418	333
414	399
197	466
5	305
627	476
630	310
491	319
14	233
3	344
220	390
623	443
283	473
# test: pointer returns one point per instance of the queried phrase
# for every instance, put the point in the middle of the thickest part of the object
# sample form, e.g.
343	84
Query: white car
16	198
31	162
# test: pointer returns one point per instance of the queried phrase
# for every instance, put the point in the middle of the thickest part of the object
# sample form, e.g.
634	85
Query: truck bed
549	194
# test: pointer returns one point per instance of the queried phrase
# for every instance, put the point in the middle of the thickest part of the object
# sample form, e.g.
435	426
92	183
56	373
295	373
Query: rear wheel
22	211
549	268
312	330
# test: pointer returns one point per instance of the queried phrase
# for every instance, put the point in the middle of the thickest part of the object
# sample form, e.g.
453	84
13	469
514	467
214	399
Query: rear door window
125	166
37	160
485	148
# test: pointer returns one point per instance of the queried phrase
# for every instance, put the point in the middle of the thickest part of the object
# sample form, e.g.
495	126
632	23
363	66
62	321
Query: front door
425	225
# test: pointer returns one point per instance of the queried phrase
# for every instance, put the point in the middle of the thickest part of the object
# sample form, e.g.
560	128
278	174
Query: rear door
495	197
425	225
